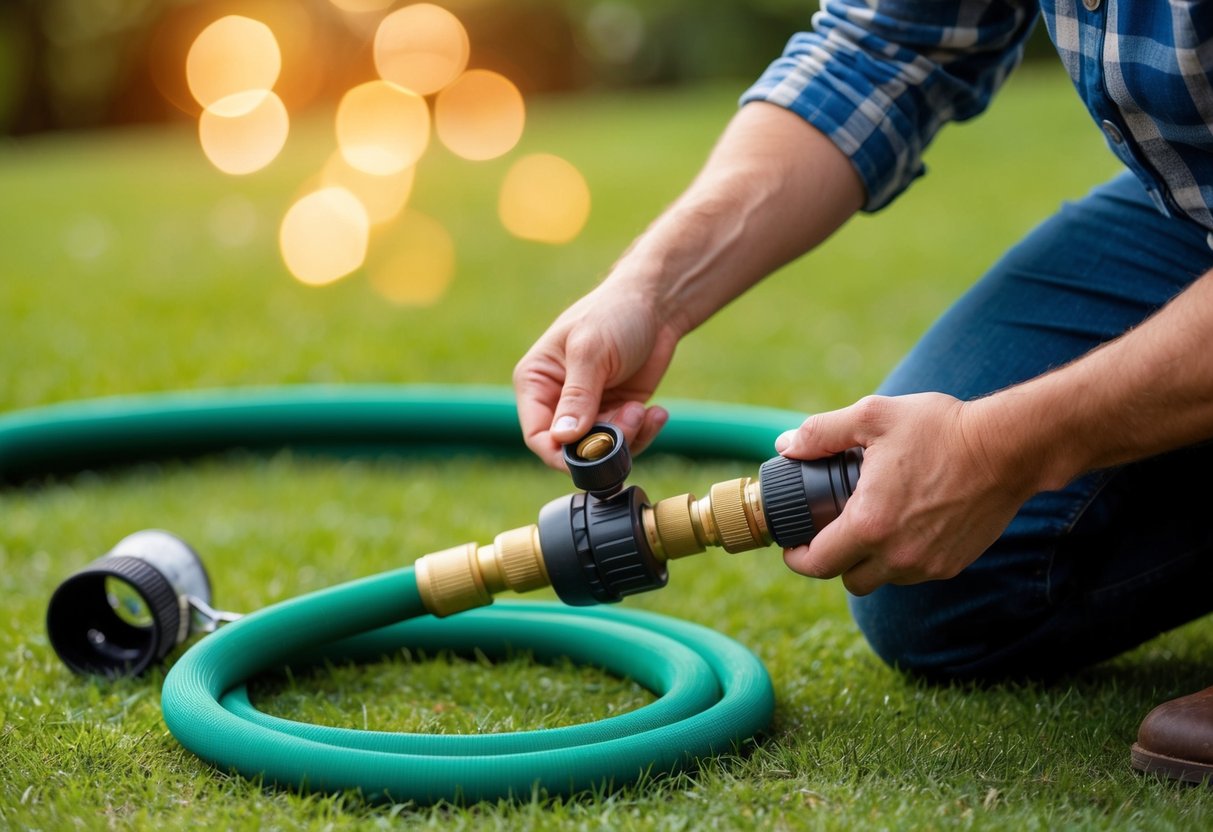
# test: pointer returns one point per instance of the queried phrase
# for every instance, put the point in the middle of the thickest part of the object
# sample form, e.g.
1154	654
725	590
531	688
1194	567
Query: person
1026	505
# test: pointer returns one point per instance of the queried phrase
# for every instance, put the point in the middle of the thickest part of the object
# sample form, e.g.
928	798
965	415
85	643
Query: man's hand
772	188
932	497
600	360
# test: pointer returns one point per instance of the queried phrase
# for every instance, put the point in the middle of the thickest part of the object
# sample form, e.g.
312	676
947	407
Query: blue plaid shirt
880	77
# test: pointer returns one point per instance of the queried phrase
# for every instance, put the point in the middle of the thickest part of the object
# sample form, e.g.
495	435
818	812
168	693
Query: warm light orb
545	199
420	265
382	196
243	133
324	236
362	6
233	55
480	116
421	47
382	128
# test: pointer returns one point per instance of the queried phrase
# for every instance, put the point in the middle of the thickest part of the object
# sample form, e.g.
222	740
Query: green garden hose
712	693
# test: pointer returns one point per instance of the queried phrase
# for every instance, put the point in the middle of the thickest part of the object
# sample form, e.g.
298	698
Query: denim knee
951	630
898	625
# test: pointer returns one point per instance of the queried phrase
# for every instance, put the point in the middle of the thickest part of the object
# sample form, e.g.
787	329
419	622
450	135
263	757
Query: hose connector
468	576
607	542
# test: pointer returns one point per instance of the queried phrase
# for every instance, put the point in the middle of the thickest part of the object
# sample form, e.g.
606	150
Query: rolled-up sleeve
880	78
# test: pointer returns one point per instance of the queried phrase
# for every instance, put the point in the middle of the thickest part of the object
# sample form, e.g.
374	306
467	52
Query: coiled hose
712	692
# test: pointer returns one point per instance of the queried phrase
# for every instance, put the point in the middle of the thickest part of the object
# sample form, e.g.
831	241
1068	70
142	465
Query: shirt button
1111	130
1090	5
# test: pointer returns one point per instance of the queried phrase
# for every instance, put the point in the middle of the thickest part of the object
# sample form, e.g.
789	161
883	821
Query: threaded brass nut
737	531
520	559
449	581
675	527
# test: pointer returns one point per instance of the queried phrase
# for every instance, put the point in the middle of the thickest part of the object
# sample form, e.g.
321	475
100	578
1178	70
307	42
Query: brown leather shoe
1176	739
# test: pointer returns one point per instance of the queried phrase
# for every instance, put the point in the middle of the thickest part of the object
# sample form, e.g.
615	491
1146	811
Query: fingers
537	383
834	431
534	388
860	575
586	377
640	424
833	553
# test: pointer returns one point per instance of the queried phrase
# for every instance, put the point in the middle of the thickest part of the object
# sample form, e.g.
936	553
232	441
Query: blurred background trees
70	64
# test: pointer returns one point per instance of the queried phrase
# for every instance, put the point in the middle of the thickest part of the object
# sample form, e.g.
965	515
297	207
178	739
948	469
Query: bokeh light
421	47
480	116
419	265
324	236
544	198
383	196
243	133
231	56
382	128
311	59
362	6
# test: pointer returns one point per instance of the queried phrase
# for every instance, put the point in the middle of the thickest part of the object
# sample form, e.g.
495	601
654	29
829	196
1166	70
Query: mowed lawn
129	265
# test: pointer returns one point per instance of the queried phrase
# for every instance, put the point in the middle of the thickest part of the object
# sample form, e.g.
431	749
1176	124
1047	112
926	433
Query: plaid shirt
880	77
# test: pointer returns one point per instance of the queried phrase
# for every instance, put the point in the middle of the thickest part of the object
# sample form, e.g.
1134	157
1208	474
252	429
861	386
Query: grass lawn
121	272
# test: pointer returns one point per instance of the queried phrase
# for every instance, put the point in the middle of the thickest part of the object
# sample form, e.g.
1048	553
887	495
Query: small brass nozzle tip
595	446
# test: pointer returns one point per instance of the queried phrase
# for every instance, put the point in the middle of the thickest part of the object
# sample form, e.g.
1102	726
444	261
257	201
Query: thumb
822	434
580	399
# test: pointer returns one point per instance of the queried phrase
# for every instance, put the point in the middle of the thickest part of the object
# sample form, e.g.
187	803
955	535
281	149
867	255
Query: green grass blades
121	273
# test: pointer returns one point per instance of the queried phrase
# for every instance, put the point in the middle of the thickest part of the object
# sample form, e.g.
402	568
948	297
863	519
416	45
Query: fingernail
784	441
565	423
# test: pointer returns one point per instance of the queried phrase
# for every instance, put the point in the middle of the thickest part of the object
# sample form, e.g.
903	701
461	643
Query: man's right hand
600	360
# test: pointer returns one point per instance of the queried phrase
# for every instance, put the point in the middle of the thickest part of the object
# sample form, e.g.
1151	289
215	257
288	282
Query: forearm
772	189
1149	391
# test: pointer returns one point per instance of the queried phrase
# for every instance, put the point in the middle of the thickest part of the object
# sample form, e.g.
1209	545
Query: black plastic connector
595	550
605	475
799	497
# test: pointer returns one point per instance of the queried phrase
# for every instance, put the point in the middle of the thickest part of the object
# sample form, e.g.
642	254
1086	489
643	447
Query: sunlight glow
362	6
244	132
324	236
480	116
421	47
382	128
233	55
420	264
545	199
383	196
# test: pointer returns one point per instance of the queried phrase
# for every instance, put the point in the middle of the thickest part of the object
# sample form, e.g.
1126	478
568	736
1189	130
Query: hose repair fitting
606	542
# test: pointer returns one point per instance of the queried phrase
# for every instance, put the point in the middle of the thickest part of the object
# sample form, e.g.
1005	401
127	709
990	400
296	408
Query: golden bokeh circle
324	236
243	133
480	116
232	55
544	198
382	128
421	47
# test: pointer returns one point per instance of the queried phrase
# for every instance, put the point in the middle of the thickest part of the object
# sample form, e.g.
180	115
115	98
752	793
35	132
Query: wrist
1025	441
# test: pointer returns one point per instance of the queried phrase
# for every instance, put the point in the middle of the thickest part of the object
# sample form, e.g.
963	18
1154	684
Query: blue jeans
1117	556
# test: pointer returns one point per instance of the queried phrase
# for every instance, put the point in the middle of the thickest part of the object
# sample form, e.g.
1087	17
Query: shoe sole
1187	771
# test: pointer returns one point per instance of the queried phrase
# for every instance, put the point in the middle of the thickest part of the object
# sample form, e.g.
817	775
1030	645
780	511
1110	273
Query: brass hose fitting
730	517
604	543
468	576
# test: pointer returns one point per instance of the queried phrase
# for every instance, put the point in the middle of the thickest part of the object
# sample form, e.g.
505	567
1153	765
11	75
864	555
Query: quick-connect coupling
788	504
603	544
